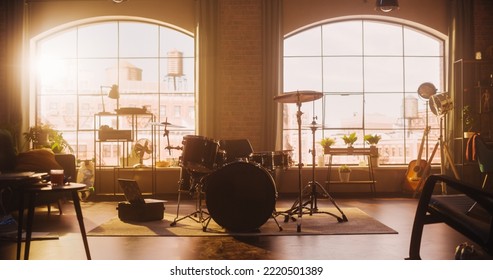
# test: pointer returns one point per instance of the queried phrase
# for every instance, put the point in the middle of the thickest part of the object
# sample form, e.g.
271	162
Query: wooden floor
439	241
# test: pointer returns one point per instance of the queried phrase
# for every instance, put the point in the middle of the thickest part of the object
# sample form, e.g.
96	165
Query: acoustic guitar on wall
416	168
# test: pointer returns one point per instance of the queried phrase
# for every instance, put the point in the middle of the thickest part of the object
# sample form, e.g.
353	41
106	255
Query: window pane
171	40
383	74
343	74
94	73
138	75
60	45
302	74
423	69
177	74
420	43
98	40
343	38
138	40
57	75
380	116
382	38
343	111
305	43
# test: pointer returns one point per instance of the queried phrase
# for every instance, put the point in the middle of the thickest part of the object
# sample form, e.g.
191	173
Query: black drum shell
240	196
200	154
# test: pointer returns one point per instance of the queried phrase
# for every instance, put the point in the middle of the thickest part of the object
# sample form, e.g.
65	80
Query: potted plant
326	143
344	173
373	140
349	139
44	136
468	121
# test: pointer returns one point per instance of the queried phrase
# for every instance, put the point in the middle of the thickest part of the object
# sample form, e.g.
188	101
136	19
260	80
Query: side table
31	192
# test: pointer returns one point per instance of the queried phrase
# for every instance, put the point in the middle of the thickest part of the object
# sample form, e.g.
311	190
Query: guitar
416	167
426	171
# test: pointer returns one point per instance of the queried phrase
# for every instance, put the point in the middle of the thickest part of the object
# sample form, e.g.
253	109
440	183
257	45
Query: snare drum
200	154
241	196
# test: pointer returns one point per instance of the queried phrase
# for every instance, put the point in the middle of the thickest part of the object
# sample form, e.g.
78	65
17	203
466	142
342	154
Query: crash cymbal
298	96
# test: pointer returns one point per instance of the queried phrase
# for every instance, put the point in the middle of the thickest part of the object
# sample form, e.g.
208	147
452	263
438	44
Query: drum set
236	184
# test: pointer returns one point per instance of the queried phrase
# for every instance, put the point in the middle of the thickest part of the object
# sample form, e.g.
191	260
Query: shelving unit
367	152
473	81
114	136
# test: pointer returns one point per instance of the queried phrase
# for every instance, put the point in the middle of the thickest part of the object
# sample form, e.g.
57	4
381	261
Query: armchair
453	210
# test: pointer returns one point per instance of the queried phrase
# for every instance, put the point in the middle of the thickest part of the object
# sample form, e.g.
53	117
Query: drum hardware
311	205
298	97
196	188
166	124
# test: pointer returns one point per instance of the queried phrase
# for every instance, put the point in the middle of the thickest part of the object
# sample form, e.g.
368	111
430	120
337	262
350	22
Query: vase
344	176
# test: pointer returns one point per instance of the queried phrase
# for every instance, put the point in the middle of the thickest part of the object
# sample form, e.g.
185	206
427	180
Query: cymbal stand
199	215
297	208
311	205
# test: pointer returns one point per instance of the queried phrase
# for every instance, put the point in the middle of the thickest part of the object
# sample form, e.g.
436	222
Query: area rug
318	224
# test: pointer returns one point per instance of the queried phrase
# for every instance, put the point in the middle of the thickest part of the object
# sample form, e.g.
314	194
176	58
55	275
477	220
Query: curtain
11	88
205	48
272	76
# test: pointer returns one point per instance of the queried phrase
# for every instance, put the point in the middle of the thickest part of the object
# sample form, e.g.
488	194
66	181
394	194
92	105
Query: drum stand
199	215
310	206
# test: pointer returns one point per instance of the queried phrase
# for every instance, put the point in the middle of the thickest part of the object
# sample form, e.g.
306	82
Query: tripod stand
310	206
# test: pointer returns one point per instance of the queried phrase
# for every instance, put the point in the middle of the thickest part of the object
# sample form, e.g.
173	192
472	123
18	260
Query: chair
453	211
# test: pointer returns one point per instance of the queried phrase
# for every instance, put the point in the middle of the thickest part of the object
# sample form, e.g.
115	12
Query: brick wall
483	26
239	71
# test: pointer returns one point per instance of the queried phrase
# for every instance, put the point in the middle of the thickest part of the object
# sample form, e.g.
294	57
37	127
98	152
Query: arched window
152	64
369	72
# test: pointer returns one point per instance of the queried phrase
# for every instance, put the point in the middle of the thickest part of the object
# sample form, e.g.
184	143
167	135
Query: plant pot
344	176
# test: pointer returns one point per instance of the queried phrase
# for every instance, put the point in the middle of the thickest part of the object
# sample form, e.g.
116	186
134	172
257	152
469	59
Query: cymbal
298	96
166	124
314	126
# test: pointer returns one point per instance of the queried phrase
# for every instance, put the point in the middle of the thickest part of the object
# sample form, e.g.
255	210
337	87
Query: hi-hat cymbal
298	96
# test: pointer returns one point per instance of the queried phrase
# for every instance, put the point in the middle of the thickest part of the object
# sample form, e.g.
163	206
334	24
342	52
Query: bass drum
240	196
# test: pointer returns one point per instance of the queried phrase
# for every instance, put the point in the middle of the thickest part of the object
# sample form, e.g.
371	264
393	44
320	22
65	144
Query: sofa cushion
38	160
